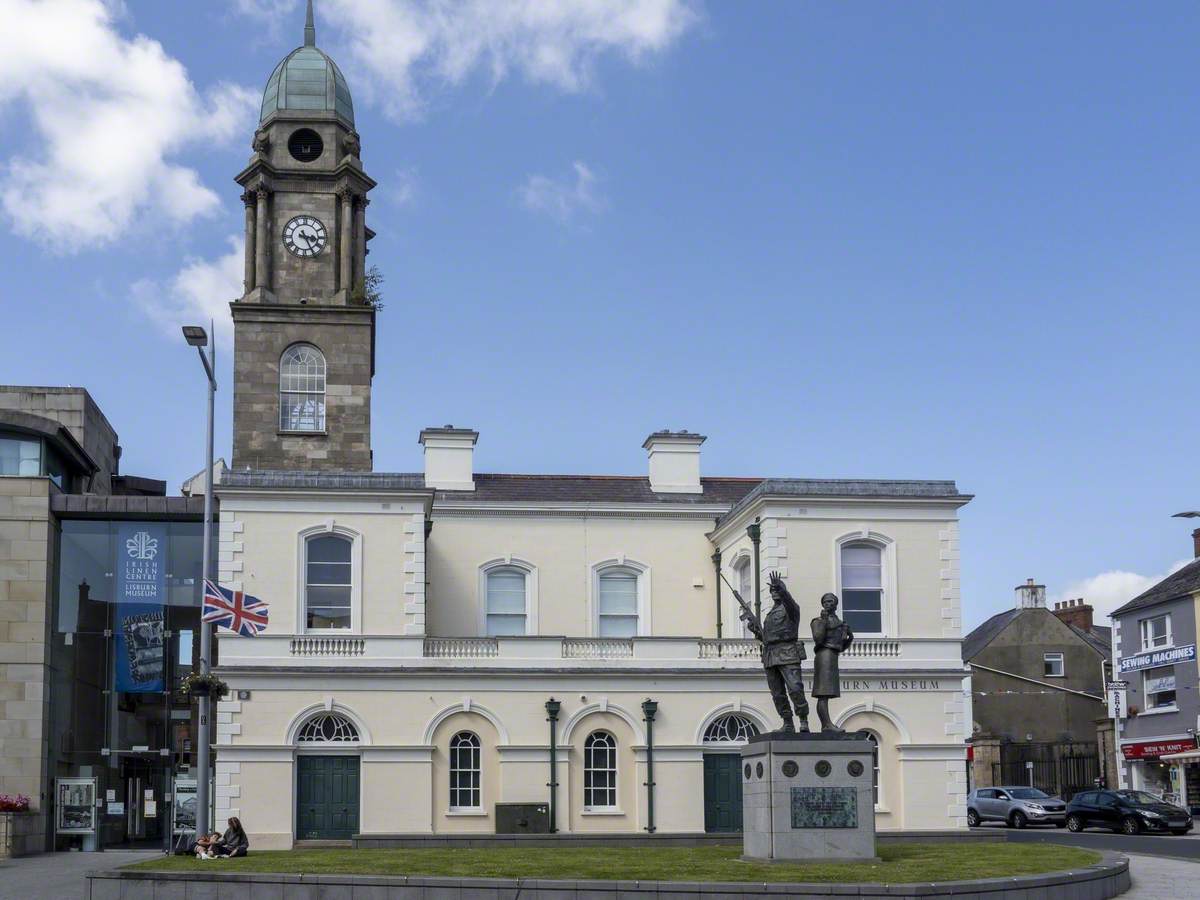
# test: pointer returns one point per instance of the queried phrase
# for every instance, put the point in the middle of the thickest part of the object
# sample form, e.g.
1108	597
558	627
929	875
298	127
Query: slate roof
291	478
1178	584
1099	638
883	488
974	642
500	487
597	489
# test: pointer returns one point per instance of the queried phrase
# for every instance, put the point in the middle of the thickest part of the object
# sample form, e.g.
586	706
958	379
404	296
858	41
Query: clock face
305	236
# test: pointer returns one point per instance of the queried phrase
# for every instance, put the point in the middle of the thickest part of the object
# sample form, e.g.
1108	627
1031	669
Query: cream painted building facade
416	660
436	639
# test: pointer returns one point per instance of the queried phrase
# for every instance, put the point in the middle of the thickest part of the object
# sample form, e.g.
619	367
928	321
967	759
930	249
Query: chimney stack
1196	543
1075	612
674	462
1030	595
449	458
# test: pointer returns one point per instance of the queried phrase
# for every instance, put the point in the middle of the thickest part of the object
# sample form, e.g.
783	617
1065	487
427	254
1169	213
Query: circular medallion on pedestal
747	771
790	769
824	768
854	767
758	770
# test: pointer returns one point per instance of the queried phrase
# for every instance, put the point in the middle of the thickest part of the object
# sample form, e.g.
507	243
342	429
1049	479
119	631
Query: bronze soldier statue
782	651
830	637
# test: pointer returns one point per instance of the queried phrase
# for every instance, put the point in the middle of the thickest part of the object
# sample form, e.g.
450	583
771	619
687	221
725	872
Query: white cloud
1109	590
109	113
198	293
562	198
403	190
409	46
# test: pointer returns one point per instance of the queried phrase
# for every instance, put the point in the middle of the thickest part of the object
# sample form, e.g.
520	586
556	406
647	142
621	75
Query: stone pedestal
808	797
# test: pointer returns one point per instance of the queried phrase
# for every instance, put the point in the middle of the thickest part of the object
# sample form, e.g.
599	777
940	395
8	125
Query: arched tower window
302	389
600	771
464	771
328	728
731	728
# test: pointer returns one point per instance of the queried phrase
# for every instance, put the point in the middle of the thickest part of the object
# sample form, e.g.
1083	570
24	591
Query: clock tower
304	328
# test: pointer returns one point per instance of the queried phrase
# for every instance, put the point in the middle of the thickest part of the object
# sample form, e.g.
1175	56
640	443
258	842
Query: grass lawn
901	863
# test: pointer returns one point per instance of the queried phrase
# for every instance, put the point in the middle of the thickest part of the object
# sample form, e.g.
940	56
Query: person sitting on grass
233	842
205	847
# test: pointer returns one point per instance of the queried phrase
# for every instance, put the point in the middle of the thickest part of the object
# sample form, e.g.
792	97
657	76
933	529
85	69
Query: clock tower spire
304	328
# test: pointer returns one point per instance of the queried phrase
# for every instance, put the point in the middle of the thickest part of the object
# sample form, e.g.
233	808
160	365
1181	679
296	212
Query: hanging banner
141	596
1118	706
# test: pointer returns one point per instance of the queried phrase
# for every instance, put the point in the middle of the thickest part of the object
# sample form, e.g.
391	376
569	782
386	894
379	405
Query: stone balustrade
535	651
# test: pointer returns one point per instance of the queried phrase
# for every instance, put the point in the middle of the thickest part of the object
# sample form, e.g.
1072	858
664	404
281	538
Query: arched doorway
723	739
327	778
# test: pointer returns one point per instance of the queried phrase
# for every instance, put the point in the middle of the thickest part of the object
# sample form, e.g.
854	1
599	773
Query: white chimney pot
674	462
449	458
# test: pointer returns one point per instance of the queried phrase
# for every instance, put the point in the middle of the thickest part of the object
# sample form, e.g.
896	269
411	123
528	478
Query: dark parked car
1129	811
1016	806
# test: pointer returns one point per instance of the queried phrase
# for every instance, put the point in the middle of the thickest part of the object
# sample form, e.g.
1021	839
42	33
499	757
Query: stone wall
345	335
24	581
75	409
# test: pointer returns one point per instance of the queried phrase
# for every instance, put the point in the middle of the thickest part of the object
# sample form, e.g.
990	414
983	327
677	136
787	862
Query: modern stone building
64	711
458	651
1154	653
1037	685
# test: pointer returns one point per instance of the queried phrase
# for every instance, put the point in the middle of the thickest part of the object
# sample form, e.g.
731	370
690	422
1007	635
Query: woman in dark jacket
234	841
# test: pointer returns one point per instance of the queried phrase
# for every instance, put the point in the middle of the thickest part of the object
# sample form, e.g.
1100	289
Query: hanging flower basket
196	684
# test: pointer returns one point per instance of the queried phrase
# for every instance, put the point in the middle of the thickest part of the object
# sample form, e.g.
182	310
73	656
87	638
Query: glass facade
126	615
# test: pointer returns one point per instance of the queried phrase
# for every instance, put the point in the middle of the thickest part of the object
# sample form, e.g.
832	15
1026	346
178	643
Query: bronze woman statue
830	637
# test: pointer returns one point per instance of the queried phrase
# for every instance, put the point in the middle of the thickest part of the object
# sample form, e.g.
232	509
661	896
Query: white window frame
1144	632
452	768
878	763
615	770
642	572
1172	707
323	394
1061	659
743	561
889	600
356	577
531	591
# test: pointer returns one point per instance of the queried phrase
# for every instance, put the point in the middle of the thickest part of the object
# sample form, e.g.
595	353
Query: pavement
59	876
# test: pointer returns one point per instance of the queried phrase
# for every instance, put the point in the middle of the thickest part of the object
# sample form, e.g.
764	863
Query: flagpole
196	337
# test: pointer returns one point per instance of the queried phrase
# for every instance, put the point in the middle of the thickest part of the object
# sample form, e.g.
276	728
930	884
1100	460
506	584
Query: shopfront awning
1185	757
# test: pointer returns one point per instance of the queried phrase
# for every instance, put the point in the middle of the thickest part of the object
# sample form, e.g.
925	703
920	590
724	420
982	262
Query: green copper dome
308	81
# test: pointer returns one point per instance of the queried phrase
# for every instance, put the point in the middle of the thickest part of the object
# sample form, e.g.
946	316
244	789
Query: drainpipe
754	531
716	560
552	708
649	708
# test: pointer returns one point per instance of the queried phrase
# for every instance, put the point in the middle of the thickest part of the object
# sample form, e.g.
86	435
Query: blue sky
904	240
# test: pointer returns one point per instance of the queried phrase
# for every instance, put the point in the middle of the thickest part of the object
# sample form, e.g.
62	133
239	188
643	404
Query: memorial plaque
824	807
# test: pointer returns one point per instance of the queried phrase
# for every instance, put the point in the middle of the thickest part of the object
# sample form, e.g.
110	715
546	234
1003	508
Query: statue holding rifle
782	651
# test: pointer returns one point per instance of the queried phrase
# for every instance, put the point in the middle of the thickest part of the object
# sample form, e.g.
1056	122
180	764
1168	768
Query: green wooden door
722	792
326	797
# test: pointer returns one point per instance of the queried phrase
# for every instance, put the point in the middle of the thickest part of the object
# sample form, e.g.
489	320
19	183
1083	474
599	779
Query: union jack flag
234	610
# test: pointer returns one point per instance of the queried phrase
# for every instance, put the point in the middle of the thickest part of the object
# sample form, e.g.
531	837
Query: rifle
747	614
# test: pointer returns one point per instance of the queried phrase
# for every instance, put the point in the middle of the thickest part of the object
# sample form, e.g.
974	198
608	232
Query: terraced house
454	651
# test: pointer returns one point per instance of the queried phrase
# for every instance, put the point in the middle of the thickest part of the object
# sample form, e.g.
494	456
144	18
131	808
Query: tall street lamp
196	337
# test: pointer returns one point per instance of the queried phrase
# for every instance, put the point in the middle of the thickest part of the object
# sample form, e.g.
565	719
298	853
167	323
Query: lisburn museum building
449	650
447	642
